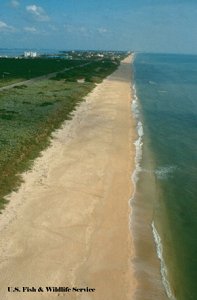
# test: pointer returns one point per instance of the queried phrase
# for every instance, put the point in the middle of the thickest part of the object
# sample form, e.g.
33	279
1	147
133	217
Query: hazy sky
140	25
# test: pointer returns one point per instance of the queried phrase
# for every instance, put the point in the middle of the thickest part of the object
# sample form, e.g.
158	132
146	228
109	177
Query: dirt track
37	79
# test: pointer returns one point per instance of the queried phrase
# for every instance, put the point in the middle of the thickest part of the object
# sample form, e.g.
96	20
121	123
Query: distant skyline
167	26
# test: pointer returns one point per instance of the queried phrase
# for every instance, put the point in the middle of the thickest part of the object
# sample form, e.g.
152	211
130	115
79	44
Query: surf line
163	267
135	177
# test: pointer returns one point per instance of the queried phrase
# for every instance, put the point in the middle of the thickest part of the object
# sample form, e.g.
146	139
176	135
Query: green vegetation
92	71
29	114
14	70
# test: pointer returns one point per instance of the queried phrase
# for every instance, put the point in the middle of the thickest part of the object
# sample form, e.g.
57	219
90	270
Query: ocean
164	218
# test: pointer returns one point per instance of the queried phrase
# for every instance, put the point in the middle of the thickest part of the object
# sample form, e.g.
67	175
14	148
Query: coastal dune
68	225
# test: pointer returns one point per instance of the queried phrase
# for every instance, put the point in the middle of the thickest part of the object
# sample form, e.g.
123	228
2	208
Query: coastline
150	269
73	206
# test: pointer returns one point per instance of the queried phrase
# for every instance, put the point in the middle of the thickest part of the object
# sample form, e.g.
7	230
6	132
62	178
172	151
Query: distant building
30	54
100	55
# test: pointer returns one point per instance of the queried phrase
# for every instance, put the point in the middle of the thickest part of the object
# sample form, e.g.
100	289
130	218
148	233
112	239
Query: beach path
68	225
39	78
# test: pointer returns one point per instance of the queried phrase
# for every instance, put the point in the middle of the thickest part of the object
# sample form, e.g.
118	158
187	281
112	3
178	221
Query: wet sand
68	225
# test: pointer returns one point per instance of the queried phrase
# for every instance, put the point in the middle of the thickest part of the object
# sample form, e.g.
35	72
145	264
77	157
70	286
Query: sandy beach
68	225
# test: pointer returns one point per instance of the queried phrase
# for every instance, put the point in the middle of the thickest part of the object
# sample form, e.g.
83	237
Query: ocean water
165	199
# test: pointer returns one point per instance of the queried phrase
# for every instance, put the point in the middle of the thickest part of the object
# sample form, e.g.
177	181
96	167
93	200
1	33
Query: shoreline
148	254
73	207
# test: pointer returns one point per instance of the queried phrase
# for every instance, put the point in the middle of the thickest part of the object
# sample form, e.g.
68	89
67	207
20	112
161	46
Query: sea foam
164	271
164	172
161	173
139	142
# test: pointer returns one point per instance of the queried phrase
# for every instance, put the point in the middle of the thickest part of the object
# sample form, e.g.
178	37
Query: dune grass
93	71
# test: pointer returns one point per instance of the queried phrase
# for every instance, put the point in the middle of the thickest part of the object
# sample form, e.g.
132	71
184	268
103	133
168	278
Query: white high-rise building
30	54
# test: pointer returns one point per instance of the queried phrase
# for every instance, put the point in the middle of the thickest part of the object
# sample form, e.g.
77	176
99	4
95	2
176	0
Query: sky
165	26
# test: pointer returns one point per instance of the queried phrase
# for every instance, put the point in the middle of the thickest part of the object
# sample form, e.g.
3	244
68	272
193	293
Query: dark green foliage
92	71
14	70
23	86
46	103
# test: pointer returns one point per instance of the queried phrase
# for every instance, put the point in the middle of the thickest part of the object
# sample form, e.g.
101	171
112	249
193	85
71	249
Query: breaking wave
164	271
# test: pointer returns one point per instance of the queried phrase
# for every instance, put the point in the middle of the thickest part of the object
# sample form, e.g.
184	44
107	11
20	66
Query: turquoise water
166	105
